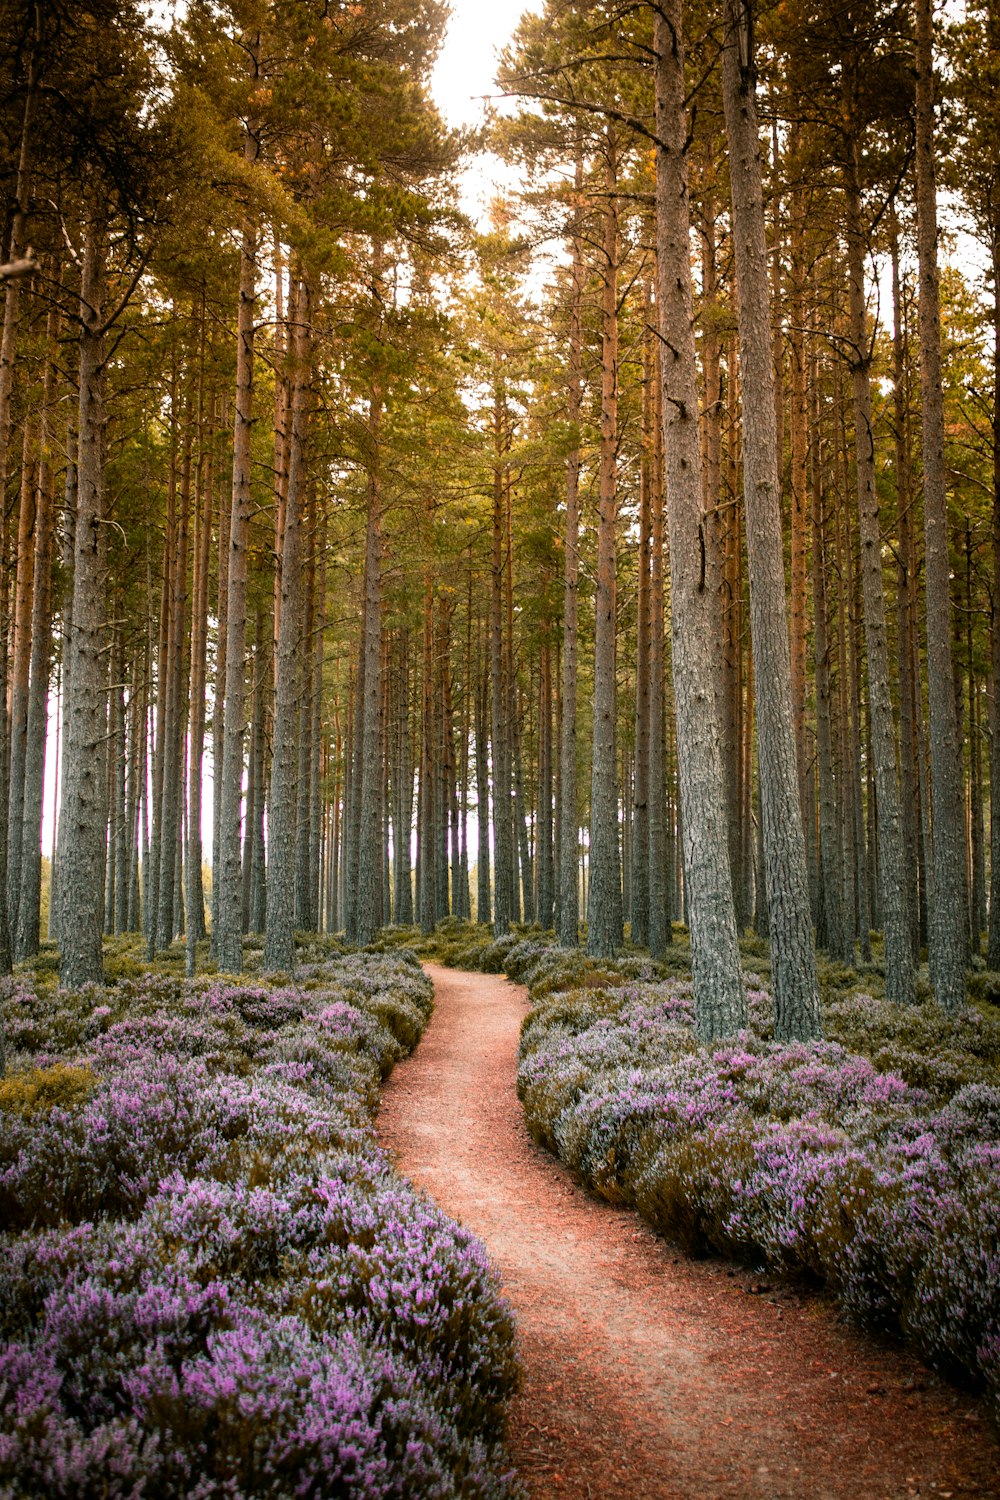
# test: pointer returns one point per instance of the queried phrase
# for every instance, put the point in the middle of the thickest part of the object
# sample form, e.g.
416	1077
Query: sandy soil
650	1376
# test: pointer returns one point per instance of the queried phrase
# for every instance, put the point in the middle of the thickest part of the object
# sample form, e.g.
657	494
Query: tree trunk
568	835
720	1003
26	925
503	851
948	916
604	928
279	926
81	851
640	814
482	797
895	910
796	992
661	847
369	915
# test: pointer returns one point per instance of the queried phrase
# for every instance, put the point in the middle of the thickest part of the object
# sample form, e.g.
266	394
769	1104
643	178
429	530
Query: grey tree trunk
796	991
568	912
948	926
279	927
895	909
720	1002
81	851
26	934
604	928
20	662
228	861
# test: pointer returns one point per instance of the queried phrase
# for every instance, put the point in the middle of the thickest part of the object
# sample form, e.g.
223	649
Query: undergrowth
868	1162
211	1280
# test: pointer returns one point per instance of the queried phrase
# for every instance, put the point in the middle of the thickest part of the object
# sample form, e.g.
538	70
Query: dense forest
630	561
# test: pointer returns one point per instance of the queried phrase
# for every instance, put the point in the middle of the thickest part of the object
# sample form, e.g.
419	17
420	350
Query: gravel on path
649	1376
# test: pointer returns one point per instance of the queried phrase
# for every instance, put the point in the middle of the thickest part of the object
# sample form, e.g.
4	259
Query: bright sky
464	71
463	74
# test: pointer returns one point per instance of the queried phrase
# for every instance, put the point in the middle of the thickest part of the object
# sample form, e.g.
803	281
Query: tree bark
948	926
81	851
604	927
796	992
279	927
720	1003
568	913
228	861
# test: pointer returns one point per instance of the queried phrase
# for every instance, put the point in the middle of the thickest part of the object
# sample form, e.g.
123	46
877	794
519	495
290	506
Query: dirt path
649	1375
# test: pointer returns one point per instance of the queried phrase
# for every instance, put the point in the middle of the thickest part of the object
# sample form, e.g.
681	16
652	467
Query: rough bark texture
948	926
661	847
26	925
604	931
796	992
279	927
720	1002
81	849
369	911
503	851
898	947
830	840
640	787
228	863
568	914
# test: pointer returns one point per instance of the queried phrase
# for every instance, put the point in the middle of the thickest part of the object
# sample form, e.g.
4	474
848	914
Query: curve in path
649	1376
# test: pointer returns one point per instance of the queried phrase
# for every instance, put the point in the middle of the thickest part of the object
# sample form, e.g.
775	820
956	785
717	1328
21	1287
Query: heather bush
212	1282
881	1182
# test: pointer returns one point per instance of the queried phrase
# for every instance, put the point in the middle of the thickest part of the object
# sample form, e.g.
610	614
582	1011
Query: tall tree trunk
604	928
26	926
830	839
661	848
279	926
228	861
720	1002
895	910
369	914
503	851
81	851
482	796
21	660
906	602
948	926
640	817
568	835
993	935
796	991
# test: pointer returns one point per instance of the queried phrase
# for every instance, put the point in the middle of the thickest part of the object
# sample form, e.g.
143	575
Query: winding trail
649	1376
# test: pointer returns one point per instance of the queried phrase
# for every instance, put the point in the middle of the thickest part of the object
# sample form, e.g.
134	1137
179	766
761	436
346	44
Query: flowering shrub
808	1157
212	1282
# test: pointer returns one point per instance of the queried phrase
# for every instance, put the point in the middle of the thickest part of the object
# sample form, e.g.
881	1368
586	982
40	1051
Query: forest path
649	1376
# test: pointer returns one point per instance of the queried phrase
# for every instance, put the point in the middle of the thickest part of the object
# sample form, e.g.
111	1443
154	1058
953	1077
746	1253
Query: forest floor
649	1376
